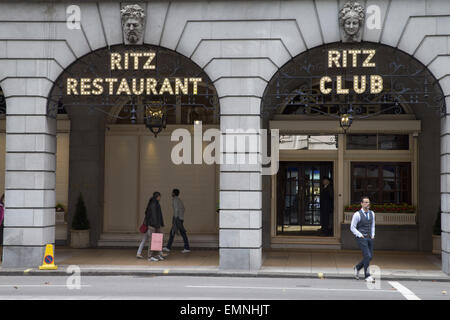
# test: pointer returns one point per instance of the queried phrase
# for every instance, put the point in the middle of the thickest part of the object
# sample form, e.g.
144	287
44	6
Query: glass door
299	197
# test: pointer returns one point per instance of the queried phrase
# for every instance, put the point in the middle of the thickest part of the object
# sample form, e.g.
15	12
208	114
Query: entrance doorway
299	191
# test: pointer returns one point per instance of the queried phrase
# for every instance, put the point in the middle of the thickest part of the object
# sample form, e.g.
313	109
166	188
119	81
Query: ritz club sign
352	58
133	86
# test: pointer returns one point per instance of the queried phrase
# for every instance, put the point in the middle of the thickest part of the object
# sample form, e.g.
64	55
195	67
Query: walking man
153	220
363	227
177	222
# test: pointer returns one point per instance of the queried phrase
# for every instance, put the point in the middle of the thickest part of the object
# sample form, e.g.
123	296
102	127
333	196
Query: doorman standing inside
326	207
363	227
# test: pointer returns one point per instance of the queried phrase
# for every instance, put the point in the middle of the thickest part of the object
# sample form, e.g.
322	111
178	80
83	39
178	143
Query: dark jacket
153	214
326	200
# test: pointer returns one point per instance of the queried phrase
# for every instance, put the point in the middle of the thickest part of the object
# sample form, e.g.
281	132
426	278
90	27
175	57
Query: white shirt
355	220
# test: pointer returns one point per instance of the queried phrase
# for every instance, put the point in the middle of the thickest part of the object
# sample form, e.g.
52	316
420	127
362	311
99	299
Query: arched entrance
390	151
116	162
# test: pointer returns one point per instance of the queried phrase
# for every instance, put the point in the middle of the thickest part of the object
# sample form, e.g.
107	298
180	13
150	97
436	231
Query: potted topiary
79	234
437	234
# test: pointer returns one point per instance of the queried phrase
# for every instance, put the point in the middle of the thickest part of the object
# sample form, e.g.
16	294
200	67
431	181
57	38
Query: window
308	142
383	182
377	142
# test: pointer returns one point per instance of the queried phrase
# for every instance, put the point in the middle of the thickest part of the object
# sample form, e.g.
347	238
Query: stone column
29	181
240	186
445	191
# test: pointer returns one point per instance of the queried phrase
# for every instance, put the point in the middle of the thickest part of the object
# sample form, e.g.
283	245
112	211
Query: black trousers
366	245
178	225
325	220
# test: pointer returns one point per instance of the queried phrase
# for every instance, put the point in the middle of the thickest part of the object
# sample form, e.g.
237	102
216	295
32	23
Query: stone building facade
240	45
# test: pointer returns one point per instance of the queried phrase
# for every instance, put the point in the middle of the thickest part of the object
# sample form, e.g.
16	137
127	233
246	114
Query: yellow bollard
49	259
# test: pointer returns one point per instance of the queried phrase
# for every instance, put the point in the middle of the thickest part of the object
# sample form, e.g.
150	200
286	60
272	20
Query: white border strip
408	294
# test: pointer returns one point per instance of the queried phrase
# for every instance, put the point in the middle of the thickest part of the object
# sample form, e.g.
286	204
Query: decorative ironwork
128	108
295	87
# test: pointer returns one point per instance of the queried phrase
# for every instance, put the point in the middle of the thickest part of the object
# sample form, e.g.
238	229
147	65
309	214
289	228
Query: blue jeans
183	234
366	246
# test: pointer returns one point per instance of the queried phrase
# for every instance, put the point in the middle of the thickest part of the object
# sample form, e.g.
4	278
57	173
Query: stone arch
93	115
404	78
300	77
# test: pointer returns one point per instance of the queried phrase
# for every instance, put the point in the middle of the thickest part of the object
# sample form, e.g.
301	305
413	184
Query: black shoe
356	272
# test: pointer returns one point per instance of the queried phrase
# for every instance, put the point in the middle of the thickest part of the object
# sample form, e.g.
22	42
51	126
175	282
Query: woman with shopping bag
154	222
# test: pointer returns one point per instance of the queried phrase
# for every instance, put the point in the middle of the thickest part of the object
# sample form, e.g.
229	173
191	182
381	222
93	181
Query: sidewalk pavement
335	264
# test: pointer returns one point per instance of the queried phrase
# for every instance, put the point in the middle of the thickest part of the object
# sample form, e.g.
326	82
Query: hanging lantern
155	118
345	121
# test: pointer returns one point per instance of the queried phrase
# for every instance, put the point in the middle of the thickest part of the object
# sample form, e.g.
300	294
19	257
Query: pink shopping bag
157	241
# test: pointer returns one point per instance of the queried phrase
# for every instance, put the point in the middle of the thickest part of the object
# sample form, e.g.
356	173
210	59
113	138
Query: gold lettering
354	54
125	62
136	56
123	87
344	58
376	84
115	61
147	65
356	87
194	81
111	82
179	85
141	87
367	63
323	80
333	56
339	88
72	86
85	85
151	86
97	86
166	87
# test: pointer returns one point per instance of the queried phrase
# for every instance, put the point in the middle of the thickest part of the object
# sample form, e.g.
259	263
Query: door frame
301	166
306	156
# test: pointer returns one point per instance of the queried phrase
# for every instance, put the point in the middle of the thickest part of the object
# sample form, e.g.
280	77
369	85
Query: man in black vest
363	227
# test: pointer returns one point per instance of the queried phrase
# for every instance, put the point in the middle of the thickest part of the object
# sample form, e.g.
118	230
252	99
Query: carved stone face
351	25
133	29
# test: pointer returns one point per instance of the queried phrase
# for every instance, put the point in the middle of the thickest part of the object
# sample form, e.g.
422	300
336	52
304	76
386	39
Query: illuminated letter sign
132	86
351	59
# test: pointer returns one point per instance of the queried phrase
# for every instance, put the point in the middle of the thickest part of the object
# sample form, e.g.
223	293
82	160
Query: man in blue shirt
363	227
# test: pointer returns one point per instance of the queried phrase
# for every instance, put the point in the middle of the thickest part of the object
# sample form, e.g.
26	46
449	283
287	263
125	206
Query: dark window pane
372	171
389	171
389	184
388	197
359	171
361	142
393	142
358	184
383	182
357	197
372	184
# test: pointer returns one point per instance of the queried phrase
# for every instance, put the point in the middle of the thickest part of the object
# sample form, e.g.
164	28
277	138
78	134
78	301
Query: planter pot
436	244
79	238
59	217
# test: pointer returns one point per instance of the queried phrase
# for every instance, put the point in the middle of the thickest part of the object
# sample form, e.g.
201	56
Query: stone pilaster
29	181
445	192
240	185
